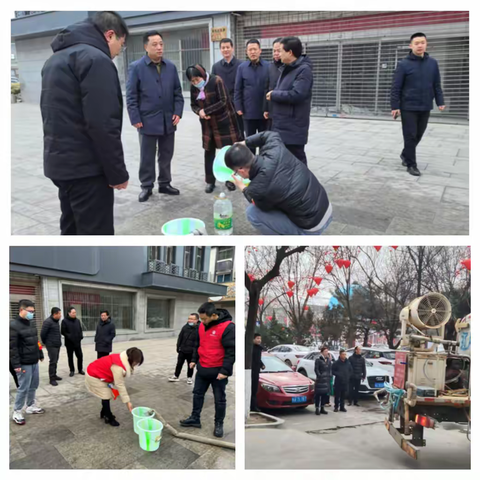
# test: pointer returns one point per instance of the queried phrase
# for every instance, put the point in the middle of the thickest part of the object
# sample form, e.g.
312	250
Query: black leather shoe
317	411
191	422
323	411
144	194
413	171
209	188
404	162
343	410
169	190
335	409
53	383
112	421
72	374
57	377
218	431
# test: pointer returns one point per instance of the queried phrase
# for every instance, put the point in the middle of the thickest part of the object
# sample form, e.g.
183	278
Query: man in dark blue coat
272	79
292	97
416	83
52	339
250	90
82	112
155	106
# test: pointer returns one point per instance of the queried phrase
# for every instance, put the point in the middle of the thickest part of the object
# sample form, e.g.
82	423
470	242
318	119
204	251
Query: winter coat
72	330
82	108
250	89
187	339
290	102
257	364
222	129
416	83
104	336
323	371
271	81
101	389
227	72
343	371
24	348
153	99
50	333
281	182
359	366
228	343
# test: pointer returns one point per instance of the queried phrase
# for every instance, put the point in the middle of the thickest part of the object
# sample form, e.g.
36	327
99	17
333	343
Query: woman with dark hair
209	99
105	379
323	371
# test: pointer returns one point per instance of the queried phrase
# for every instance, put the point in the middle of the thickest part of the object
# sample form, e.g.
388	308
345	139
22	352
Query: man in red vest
214	356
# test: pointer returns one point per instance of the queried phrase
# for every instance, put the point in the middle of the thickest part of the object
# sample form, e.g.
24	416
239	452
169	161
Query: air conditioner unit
224	266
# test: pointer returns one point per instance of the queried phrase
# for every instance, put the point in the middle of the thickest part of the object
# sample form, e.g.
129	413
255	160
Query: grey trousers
28	380
148	147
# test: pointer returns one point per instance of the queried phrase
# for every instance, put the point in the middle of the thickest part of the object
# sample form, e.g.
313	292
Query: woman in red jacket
105	379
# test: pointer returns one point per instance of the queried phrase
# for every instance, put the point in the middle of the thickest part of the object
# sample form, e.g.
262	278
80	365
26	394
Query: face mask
201	84
191	324
29	316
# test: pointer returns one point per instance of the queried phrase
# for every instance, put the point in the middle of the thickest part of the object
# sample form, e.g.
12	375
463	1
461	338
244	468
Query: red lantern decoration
339	262
347	263
315	291
374	322
467	263
269	318
336	248
328	268
290	284
310	292
305	307
261	301
317	280
251	277
377	248
395	247
290	294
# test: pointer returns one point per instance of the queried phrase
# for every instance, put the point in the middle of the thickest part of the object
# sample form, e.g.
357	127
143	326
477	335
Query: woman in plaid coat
211	102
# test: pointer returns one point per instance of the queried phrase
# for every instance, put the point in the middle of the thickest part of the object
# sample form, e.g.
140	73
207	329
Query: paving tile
46	458
457	196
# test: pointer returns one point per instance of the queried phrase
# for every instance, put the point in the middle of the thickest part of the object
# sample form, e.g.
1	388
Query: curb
277	421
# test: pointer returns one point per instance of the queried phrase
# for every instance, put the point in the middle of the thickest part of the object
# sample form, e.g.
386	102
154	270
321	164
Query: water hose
393	397
194	438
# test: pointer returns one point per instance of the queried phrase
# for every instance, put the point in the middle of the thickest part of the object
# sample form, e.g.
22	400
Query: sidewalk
71	435
356	160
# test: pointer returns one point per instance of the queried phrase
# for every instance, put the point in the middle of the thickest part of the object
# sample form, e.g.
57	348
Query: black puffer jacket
50	333
187	339
323	371
72	330
24	349
104	336
281	182
82	108
257	363
343	372
359	366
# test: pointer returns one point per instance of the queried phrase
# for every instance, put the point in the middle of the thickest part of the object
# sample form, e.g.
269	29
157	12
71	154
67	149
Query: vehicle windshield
301	348
389	355
274	365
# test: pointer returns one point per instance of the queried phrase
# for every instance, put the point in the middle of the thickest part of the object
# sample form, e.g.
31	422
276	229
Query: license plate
302	399
379	385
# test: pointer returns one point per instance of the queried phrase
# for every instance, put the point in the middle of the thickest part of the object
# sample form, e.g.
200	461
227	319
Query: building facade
149	291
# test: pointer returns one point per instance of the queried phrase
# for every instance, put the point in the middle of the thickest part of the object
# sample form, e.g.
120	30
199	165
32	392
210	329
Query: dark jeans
298	151
199	390
253	398
148	147
53	354
354	389
77	349
14	374
87	206
414	125
321	399
106	409
254	126
209	159
180	361
102	354
341	392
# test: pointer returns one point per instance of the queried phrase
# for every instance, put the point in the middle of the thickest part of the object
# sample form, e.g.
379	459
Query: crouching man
285	197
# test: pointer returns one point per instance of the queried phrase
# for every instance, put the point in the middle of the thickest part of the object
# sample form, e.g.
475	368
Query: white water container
223	215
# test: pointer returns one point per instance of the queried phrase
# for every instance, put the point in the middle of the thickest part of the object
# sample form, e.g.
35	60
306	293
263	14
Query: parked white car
376	377
380	357
290	354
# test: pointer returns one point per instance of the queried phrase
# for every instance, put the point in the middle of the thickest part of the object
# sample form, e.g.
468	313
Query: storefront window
158	313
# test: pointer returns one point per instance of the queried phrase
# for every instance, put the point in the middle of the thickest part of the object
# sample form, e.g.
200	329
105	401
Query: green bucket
149	434
221	172
182	226
140	413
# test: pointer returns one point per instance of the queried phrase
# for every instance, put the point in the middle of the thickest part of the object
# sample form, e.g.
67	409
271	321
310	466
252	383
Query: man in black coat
104	335
323	372
25	352
359	373
291	99
342	369
72	331
257	365
416	83
52	339
272	79
285	197
82	112
186	341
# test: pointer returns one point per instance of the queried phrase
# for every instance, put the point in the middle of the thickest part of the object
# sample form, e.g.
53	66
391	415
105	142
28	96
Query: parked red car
281	387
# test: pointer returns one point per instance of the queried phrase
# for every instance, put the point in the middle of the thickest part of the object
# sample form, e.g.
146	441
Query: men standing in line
250	90
416	83
52	339
155	106
24	355
82	112
291	99
214	358
272	79
359	373
186	342
257	365
226	69
72	331
104	335
342	369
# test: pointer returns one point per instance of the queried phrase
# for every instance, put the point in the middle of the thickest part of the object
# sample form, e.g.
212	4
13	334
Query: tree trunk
251	324
248	391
